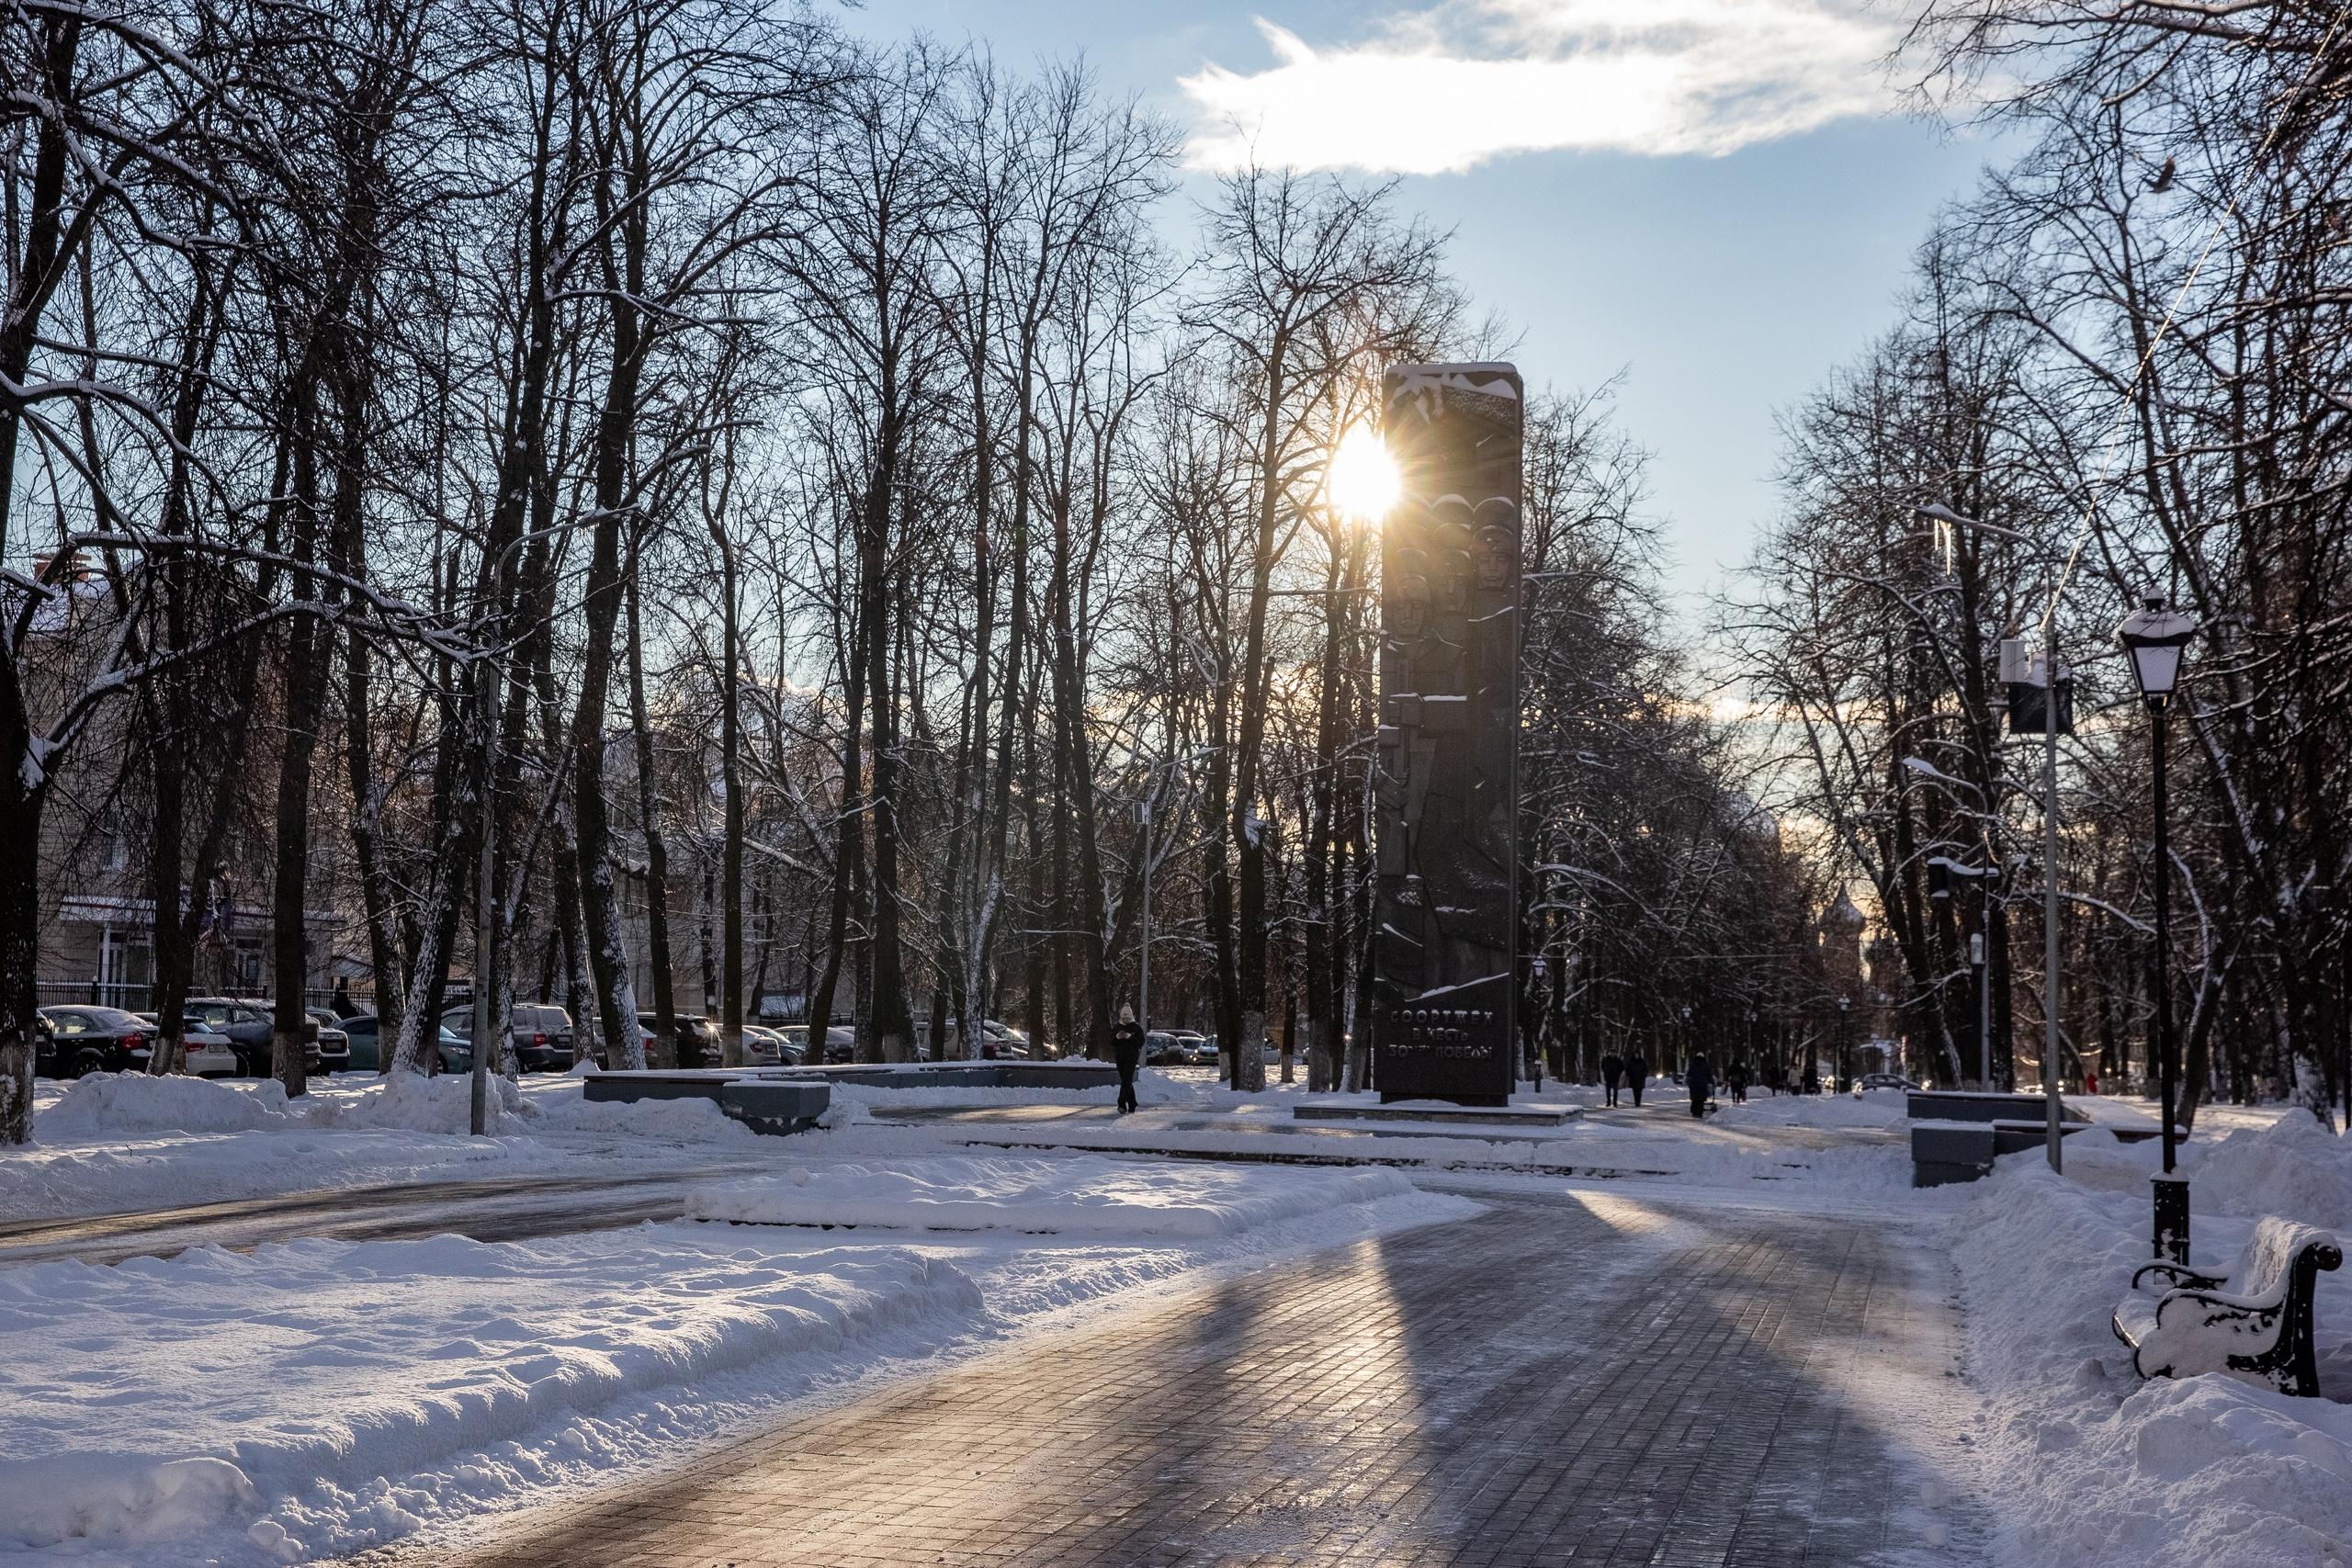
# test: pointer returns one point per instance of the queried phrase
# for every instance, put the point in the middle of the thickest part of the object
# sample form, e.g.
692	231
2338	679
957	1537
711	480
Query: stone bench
766	1105
760	1102
1978	1105
1962	1151
2256	1319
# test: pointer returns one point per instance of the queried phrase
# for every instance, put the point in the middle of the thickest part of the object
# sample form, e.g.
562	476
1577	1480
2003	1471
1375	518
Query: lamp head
2156	638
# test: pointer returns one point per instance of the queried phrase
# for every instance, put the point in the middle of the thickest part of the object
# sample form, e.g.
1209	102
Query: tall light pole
2156	637
1943	518
1143	988
1838	1066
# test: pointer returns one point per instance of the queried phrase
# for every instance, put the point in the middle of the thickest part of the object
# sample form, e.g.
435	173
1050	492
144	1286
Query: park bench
2256	1319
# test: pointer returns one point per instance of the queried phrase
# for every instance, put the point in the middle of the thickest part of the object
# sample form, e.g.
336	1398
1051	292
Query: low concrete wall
1002	1074
1972	1105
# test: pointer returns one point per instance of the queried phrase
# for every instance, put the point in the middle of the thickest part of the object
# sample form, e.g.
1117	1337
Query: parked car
1200	1051
84	1040
1886	1080
841	1044
697	1039
542	1033
203	1053
765	1047
1161	1049
453	1056
246	1023
1013	1042
334	1045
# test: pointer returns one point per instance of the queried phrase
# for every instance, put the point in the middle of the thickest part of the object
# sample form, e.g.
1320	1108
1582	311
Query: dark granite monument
1445	830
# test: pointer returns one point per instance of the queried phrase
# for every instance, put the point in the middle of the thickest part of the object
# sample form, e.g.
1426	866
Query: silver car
203	1053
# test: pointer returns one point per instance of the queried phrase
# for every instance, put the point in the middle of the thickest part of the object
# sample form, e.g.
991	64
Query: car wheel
84	1064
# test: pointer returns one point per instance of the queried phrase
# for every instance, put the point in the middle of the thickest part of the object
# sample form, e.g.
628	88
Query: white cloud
1439	90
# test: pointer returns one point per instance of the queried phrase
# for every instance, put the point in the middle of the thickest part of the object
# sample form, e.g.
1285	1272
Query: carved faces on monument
1407	608
1497	545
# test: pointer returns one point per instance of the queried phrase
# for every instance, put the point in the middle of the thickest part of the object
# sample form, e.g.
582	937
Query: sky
1717	199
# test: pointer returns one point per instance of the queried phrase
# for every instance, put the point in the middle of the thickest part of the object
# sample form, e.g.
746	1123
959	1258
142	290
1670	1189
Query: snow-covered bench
2256	1319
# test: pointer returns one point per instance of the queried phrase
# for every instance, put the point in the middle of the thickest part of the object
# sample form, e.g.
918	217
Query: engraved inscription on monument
1445	829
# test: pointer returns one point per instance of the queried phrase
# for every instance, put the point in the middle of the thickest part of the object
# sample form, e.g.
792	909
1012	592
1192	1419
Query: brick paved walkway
1430	1398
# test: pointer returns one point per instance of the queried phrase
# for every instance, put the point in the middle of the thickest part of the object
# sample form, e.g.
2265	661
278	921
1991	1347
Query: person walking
1126	1049
342	1003
1700	1078
1637	1073
1736	1076
1612	1071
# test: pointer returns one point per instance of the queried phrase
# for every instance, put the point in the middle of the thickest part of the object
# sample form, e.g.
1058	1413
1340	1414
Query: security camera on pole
2156	637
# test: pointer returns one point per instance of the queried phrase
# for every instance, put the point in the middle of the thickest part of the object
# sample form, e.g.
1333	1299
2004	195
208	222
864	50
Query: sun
1362	480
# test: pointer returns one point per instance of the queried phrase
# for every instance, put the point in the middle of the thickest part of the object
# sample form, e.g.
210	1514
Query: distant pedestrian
1613	1073
341	1001
1737	1076
1126	1049
1637	1073
1701	1080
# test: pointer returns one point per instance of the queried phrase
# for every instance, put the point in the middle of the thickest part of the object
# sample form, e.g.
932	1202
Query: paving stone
1527	1387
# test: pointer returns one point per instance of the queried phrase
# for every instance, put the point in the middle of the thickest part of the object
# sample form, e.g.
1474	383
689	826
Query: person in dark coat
1637	1073
1126	1049
1613	1072
1700	1078
1737	1076
342	1003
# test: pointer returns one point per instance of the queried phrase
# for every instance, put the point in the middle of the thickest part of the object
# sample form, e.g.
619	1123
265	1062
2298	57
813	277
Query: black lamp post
2156	637
1837	1073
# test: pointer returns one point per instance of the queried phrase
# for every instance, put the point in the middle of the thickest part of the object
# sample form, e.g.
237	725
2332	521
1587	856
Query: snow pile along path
114	1141
115	1104
1080	1194
2096	1469
2294	1168
326	1367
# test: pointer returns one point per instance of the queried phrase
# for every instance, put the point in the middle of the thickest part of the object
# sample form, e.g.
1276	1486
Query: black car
80	1040
247	1025
542	1033
697	1039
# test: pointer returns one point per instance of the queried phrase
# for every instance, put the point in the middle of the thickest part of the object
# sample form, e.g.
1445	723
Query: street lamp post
1943	519
1978	957
1143	966
1838	1068
2156	637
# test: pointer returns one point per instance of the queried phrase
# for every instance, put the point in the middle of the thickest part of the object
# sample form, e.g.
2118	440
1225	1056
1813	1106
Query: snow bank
111	1104
2294	1168
327	1367
1079	1194
118	1142
2098	1470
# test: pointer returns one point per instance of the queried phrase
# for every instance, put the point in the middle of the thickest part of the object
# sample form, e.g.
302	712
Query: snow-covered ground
354	1392
1086	1195
122	1142
311	1399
